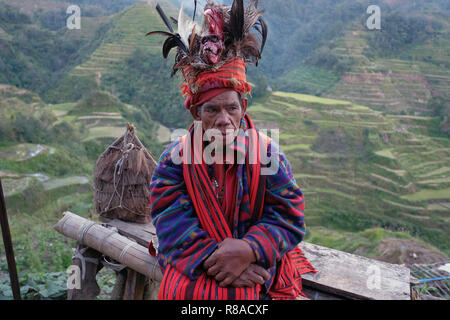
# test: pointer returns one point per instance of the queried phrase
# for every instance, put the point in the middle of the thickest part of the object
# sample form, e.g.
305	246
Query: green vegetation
428	194
400	31
309	98
141	78
35	58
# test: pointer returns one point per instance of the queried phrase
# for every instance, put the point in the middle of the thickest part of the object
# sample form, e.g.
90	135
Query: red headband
207	85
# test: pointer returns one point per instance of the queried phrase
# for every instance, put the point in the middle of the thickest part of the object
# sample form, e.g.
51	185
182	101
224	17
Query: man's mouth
228	132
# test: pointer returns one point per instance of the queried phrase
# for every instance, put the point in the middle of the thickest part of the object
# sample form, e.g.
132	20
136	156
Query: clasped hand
232	264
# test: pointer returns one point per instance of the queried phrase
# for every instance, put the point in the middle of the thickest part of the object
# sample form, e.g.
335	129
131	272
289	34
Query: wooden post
152	290
12	269
140	286
89	288
134	286
119	286
130	285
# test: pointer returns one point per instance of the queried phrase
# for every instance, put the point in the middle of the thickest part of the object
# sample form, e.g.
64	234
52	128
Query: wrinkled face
211	48
223	112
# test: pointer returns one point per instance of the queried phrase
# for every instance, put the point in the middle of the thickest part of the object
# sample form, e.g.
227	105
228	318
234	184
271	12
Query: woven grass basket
122	179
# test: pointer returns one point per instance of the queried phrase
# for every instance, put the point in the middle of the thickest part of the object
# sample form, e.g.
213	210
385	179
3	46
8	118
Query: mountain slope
404	68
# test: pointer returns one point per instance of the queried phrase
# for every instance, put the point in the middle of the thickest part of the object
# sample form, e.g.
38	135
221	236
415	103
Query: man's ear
244	105
195	112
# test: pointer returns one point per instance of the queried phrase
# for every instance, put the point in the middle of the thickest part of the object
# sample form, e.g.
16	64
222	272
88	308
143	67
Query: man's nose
223	118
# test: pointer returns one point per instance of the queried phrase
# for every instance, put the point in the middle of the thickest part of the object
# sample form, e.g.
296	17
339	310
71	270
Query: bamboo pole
110	243
9	247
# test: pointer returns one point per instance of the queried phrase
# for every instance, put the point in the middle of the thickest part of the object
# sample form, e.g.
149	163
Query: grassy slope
360	169
126	35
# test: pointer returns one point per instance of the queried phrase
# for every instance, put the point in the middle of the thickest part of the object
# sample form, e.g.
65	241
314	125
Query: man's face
223	112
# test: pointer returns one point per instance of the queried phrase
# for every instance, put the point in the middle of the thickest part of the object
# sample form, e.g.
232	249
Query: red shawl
287	283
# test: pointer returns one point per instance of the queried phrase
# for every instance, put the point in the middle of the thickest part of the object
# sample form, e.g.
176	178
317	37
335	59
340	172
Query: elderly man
225	230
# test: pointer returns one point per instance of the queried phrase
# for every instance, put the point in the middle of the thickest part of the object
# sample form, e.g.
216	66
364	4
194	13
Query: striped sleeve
281	227
182	241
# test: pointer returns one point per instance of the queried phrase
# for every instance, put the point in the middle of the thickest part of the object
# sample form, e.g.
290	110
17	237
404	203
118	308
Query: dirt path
407	251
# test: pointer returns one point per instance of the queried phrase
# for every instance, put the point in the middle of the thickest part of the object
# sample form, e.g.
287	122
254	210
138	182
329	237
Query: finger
210	261
220	276
261	271
256	278
212	271
239	283
247	279
227	281
264	274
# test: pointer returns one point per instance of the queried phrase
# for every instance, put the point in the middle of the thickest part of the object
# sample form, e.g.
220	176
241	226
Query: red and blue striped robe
184	245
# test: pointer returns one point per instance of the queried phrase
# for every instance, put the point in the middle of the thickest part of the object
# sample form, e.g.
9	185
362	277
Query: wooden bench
340	275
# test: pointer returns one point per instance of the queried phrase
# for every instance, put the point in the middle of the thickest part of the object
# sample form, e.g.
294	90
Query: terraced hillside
361	169
128	65
401	84
127	34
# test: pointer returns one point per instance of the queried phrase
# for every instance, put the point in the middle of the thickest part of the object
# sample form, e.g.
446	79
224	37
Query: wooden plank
130	285
315	294
355	277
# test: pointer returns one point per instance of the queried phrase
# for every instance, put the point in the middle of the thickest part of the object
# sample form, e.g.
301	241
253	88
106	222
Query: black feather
172	41
195	9
174	21
264	30
257	27
163	33
237	19
164	17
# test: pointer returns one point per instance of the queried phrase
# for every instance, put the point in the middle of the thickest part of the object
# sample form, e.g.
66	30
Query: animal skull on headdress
224	36
211	47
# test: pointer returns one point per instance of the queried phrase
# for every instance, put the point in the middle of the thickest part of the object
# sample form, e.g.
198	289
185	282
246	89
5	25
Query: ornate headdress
215	55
